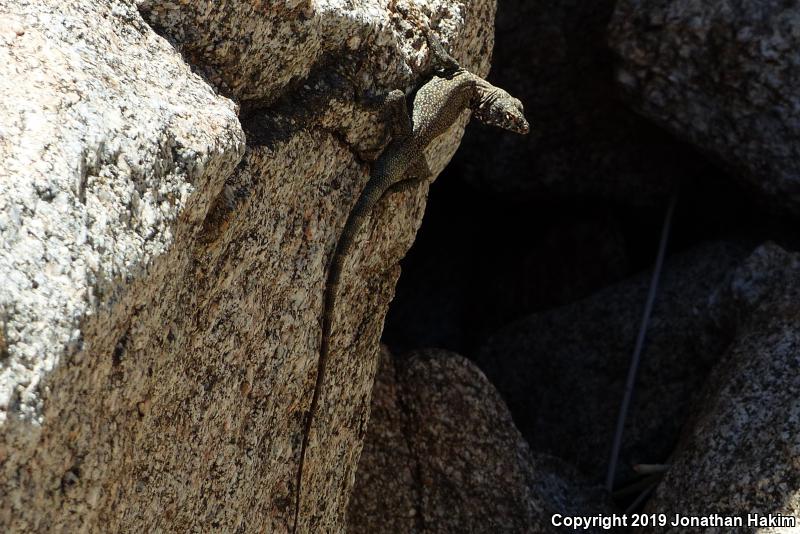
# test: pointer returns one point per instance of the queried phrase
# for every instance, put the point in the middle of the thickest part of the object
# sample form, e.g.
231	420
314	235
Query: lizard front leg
440	59
416	174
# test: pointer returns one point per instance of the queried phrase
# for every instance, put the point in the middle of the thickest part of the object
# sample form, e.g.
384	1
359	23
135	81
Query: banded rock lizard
437	105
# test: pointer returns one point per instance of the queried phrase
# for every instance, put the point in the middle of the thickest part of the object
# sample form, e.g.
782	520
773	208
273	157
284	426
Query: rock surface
259	51
94	173
741	454
563	372
442	455
160	332
723	76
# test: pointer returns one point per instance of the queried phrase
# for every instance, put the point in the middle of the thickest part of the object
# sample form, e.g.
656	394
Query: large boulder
443	455
723	76
562	372
740	456
160	291
259	51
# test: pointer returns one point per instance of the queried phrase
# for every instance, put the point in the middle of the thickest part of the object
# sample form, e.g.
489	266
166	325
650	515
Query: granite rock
443	455
723	76
740	454
162	281
562	372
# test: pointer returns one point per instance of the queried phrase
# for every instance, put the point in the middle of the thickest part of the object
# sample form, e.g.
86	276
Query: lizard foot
441	60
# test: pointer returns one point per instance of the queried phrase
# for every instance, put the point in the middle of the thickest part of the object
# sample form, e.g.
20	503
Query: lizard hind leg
403	185
416	174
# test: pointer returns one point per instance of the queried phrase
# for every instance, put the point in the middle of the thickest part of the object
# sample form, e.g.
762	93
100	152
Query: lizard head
498	108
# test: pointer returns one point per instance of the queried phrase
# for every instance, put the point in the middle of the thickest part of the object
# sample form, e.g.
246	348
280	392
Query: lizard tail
367	200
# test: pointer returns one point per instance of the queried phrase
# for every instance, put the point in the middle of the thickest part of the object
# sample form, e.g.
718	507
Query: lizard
438	103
